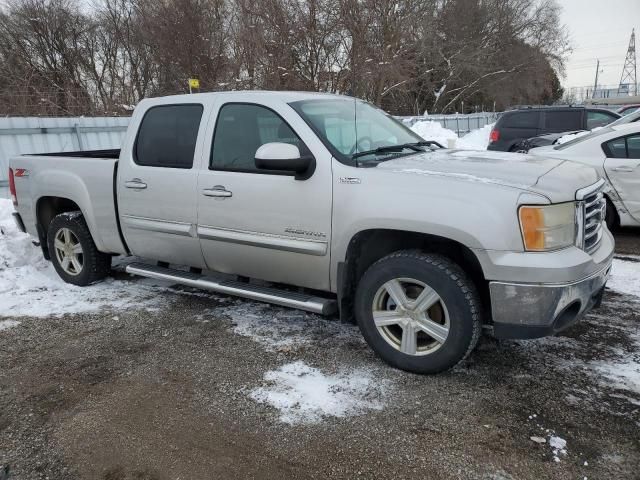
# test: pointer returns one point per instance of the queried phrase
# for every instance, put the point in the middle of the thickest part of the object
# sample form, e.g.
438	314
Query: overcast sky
599	29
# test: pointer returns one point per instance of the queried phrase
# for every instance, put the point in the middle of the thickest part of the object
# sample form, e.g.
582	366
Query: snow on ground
625	276
304	394
558	447
623	375
6	324
278	328
474	140
29	285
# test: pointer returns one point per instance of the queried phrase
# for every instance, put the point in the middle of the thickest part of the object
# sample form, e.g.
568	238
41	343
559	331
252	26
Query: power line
629	71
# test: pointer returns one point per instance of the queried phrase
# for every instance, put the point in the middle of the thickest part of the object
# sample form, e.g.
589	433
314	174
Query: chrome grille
592	209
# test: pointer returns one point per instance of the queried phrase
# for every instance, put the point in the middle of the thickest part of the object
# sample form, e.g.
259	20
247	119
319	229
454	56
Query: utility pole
629	77
595	84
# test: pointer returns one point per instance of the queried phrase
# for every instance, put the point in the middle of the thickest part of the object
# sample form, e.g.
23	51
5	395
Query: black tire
455	290
95	264
611	216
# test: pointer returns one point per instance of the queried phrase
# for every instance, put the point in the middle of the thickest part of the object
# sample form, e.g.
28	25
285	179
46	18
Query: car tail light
12	188
494	136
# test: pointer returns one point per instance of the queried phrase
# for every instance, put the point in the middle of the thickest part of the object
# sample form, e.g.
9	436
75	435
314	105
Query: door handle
136	184
623	169
217	191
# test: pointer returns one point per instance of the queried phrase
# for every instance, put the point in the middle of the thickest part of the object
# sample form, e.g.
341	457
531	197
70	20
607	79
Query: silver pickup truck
325	203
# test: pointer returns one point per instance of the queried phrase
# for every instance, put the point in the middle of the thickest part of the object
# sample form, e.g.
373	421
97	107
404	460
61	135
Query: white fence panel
459	123
20	135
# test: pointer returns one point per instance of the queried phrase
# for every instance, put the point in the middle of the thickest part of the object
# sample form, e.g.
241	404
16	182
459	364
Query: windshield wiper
398	148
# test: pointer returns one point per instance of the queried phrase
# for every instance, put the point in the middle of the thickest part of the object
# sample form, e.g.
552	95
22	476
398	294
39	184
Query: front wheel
73	252
419	312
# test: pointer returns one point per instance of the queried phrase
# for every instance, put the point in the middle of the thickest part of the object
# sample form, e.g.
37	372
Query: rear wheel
419	312
73	253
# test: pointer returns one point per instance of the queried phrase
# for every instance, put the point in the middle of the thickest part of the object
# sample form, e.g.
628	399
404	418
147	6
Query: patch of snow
624	375
558	447
30	286
277	328
7	324
571	136
305	395
625	277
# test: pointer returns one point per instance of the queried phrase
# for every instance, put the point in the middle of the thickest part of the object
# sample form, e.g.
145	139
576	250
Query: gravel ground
171	394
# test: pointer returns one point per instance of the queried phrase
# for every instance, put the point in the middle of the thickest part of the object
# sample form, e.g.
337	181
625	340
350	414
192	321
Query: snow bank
304	394
474	140
434	131
29	285
625	277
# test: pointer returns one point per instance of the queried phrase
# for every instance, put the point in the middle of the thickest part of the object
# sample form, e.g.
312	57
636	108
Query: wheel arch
368	246
48	207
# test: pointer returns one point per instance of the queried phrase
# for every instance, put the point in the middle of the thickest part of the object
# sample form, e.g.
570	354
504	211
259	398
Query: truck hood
556	179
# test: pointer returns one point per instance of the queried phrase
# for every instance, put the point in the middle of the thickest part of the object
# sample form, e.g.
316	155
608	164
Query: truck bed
87	178
111	154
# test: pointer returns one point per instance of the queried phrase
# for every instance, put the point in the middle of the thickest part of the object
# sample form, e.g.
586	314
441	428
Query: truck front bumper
536	310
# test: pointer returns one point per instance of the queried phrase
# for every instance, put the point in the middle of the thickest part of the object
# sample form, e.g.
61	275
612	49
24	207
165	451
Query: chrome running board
301	301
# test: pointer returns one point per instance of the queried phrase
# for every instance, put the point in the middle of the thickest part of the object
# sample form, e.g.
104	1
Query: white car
615	152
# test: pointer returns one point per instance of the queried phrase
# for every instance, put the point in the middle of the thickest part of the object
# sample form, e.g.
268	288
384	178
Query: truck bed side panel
86	181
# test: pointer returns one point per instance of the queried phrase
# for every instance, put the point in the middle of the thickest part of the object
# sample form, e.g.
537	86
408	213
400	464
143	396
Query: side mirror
284	157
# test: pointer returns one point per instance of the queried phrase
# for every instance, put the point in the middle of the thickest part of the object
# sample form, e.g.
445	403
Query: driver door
263	224
622	166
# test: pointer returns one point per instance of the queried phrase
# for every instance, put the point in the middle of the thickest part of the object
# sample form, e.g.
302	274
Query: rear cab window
167	136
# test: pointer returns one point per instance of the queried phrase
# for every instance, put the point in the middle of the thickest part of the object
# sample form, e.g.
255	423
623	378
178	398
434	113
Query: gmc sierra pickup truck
327	204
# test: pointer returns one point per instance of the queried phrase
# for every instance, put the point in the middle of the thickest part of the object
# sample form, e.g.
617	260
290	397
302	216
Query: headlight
548	227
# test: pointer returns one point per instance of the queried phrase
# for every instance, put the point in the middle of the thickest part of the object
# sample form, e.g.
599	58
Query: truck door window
243	128
167	136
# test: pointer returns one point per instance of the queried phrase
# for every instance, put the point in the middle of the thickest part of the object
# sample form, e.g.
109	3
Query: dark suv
514	126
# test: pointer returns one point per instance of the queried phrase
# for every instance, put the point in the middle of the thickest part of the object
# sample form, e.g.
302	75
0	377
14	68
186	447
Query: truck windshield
353	129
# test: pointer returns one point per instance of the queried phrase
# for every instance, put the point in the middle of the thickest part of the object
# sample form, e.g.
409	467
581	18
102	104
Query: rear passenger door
622	166
157	184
